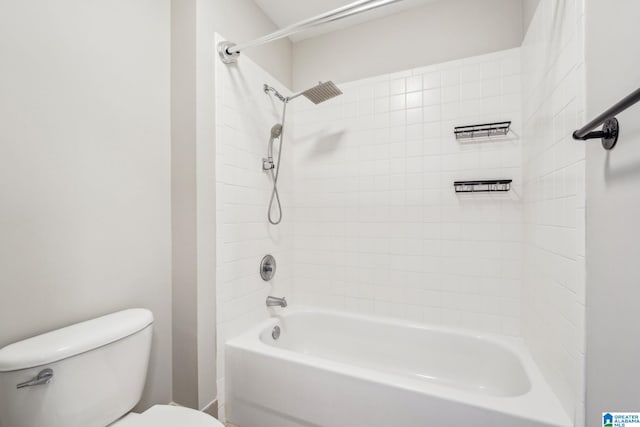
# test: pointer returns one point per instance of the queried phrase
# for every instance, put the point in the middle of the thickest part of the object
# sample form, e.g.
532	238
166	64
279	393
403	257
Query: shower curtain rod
229	51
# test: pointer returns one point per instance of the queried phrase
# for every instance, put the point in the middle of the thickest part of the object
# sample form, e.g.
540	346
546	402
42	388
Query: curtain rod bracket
227	56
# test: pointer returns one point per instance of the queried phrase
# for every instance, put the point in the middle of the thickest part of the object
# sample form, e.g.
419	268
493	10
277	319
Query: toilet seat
169	416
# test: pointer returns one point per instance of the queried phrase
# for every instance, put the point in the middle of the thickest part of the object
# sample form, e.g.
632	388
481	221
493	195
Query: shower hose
275	172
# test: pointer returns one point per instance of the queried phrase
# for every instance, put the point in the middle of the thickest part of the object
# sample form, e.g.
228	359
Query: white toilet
86	375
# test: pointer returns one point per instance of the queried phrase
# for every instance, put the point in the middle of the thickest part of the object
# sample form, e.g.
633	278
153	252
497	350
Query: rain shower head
320	93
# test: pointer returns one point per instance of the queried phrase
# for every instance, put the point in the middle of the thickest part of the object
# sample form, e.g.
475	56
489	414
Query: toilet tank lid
73	340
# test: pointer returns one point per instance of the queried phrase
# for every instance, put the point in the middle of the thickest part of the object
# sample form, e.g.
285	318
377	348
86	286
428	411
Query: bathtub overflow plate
275	334
267	267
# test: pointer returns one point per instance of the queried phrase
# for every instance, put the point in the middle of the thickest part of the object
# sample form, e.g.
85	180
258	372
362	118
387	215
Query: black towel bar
611	128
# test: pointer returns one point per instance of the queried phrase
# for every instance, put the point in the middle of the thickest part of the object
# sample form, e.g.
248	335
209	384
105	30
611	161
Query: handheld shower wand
274	168
267	162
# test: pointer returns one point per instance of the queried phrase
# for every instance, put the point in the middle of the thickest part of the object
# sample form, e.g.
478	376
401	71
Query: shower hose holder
267	163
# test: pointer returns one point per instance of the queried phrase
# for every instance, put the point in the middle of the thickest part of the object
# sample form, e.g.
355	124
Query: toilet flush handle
43	377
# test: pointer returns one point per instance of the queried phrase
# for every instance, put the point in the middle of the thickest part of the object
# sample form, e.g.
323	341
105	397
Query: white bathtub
333	369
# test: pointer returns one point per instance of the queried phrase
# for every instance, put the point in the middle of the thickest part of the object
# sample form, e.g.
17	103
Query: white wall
184	203
378	226
85	168
529	8
437	32
554	199
240	21
244	117
194	23
613	271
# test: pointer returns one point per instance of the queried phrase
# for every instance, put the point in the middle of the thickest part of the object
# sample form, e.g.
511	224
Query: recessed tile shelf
484	186
483	130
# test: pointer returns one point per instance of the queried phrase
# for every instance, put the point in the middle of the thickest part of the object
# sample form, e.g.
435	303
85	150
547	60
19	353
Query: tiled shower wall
244	117
554	202
372	223
378	226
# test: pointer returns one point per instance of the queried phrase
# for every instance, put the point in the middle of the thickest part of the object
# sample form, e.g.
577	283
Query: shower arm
229	52
294	96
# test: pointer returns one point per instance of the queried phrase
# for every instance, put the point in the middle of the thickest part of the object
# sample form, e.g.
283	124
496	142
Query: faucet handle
44	377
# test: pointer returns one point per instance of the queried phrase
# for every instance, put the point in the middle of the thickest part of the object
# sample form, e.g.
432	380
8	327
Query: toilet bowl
90	374
167	416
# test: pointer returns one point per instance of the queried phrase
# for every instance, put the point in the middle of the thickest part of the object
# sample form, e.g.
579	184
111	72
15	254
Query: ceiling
286	12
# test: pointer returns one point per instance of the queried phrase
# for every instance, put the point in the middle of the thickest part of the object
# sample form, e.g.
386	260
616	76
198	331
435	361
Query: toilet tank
98	366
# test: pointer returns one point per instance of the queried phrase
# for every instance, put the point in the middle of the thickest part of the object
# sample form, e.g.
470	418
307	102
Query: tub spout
276	302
